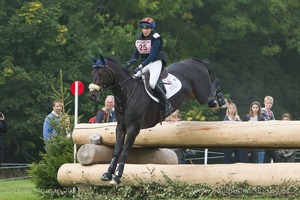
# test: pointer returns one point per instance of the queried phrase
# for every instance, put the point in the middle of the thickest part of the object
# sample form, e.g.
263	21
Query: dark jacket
105	116
247	118
3	129
156	52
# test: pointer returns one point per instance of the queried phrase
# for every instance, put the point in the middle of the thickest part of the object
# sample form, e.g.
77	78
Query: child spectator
287	155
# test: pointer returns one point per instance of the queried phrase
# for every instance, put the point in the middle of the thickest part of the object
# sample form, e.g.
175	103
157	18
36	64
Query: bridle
103	85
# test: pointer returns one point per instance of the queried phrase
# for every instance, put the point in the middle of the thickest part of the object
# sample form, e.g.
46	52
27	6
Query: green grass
19	189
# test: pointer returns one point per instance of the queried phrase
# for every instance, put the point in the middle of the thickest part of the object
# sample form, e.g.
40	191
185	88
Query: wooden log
95	139
134	174
187	134
95	154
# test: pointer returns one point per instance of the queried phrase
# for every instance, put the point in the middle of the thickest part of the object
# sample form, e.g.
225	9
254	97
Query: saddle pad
172	85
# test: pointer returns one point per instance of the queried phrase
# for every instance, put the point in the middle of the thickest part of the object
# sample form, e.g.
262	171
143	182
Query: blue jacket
105	116
47	128
156	52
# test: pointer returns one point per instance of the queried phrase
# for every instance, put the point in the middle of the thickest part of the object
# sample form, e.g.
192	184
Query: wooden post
94	154
221	134
137	174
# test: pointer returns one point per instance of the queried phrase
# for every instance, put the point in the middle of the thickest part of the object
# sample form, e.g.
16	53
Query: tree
244	40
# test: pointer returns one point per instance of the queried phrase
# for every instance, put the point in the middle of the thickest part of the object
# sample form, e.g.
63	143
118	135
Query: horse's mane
112	60
109	58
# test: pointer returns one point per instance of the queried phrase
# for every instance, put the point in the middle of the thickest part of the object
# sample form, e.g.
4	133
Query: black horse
135	110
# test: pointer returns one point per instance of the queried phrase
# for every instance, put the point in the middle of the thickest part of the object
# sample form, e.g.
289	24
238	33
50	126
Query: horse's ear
102	59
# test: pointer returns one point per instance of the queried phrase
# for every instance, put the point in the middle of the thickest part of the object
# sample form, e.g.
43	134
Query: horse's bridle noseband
102	85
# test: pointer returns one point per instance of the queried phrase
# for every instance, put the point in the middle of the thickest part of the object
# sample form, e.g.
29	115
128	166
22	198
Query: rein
121	84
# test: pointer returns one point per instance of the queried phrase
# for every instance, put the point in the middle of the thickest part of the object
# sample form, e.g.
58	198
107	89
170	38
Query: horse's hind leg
120	133
216	92
220	98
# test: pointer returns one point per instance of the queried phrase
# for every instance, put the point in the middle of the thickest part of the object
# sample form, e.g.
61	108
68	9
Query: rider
149	47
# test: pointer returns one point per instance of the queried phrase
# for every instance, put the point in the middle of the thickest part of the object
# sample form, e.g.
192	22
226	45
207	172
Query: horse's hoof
106	176
115	181
224	106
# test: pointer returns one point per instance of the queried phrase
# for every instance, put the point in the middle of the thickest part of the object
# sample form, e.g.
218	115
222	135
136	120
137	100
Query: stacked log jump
261	135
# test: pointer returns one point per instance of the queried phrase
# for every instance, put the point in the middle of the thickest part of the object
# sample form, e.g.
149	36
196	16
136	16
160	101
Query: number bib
143	46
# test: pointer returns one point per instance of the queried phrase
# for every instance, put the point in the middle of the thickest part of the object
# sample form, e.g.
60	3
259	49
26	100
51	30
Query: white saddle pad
172	85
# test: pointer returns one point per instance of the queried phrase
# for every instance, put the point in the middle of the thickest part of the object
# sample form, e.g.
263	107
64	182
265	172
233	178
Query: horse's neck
123	86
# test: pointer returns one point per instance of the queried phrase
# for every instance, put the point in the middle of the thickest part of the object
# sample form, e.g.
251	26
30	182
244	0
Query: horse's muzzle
94	92
93	95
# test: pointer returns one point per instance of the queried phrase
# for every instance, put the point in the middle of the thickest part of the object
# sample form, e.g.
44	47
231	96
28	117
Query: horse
135	110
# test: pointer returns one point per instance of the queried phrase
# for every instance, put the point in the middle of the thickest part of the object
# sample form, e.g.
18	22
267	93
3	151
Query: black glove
136	70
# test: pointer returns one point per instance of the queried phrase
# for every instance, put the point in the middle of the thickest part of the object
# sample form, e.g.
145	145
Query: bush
173	190
44	173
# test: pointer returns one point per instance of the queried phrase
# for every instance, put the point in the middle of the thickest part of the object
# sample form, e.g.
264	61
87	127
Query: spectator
268	156
287	155
56	121
253	115
266	111
107	113
240	154
3	129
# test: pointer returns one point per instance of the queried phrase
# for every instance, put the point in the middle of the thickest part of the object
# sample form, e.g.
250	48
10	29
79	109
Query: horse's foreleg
130	138
120	136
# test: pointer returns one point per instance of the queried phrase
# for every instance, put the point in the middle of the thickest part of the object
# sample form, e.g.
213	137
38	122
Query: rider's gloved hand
137	68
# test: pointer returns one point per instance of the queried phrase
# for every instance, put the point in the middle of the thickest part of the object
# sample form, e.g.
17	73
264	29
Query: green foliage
174	190
59	150
255	45
193	111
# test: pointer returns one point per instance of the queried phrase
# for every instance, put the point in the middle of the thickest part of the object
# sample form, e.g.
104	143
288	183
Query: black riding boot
162	97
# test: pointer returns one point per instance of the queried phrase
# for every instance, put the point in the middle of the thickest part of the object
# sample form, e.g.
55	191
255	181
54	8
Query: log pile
149	161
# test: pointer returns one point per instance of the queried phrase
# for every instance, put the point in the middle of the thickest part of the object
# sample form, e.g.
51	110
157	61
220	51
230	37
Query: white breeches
154	69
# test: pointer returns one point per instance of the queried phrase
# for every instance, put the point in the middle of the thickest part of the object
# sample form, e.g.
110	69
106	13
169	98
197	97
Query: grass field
19	189
25	190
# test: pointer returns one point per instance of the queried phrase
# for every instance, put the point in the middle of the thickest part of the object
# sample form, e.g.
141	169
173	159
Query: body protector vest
143	45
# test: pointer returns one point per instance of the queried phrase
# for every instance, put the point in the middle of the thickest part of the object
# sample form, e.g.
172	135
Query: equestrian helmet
147	22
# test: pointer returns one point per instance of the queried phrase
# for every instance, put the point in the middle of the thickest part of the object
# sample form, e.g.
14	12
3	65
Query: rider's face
146	31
